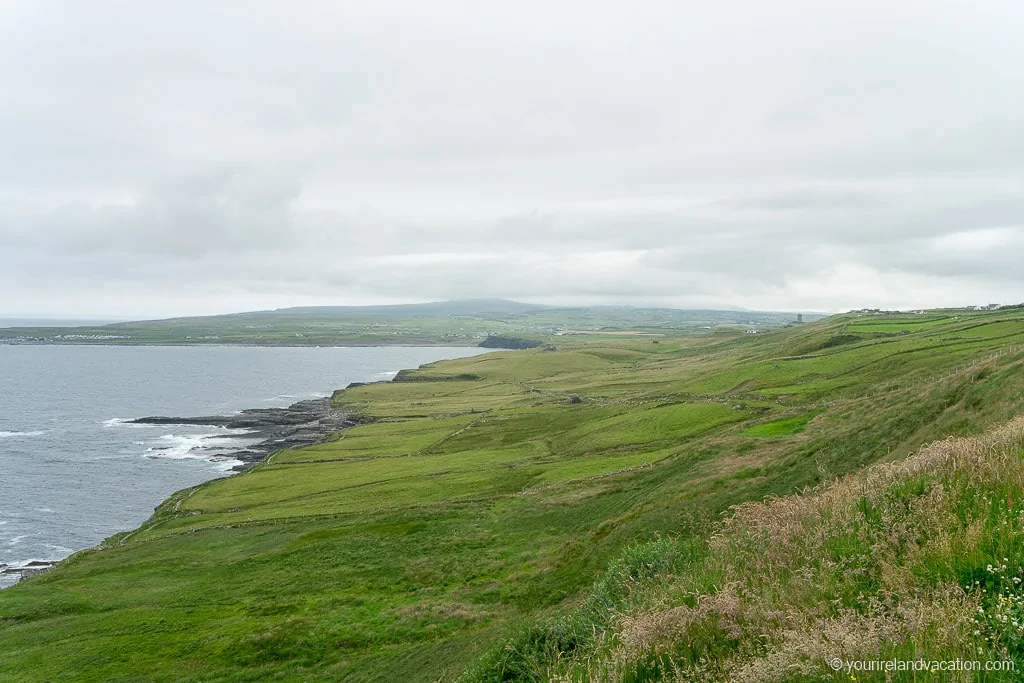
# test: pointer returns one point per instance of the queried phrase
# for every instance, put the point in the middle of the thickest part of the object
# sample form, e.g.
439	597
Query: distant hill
456	307
588	510
464	322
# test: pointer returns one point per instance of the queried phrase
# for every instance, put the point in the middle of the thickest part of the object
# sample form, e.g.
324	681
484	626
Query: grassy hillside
917	560
450	322
489	494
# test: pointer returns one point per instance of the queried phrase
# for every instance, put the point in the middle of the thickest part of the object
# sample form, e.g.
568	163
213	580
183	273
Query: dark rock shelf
300	424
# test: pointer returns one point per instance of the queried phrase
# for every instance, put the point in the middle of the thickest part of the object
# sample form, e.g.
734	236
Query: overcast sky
164	158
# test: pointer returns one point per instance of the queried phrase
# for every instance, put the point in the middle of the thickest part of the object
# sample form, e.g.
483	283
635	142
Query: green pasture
491	494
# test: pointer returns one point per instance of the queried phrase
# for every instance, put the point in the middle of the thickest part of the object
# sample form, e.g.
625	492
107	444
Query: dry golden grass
868	567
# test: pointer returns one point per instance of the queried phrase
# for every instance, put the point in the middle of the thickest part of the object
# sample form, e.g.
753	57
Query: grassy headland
917	561
506	516
458	323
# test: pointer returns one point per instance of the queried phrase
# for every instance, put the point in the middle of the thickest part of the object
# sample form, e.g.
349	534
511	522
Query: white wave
194	447
44	509
21	564
121	422
280	397
389	373
8	435
179	446
18	539
226	464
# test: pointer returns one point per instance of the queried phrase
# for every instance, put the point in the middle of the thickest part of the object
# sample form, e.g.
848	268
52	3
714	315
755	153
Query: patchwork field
466	322
486	496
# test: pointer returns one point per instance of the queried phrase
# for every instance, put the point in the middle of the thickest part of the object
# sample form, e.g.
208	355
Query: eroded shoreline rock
300	424
30	568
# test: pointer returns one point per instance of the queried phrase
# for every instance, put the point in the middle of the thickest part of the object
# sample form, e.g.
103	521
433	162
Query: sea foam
210	447
121	422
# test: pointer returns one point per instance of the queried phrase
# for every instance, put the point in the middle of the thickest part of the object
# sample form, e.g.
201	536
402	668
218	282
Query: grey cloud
802	199
992	252
169	157
186	216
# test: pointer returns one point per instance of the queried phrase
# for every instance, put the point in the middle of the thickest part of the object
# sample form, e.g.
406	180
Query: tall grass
473	514
922	558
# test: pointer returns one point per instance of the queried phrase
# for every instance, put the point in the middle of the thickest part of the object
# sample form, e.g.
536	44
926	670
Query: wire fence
965	368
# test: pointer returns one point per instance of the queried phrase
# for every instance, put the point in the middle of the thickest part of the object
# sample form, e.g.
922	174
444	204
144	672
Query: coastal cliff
301	424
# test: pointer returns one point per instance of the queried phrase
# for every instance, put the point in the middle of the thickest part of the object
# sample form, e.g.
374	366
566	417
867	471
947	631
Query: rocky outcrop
28	569
417	376
300	424
516	343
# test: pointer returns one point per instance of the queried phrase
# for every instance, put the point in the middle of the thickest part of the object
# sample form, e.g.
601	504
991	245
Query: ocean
72	472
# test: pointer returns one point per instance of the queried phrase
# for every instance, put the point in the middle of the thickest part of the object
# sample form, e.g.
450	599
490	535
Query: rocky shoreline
275	429
300	424
28	569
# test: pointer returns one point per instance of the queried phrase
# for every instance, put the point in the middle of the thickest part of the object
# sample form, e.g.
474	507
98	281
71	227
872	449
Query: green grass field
919	560
454	323
496	497
785	427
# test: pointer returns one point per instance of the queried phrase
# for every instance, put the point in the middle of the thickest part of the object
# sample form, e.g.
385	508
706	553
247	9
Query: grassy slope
920	559
442	323
409	549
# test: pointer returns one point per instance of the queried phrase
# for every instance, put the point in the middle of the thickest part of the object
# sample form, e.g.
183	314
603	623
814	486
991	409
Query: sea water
73	472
